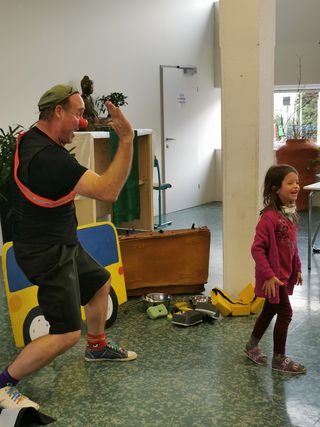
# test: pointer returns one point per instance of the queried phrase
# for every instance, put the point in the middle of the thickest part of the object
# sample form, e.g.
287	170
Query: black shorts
67	277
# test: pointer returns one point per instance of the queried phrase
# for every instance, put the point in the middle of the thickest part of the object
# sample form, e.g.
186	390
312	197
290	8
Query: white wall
297	34
120	44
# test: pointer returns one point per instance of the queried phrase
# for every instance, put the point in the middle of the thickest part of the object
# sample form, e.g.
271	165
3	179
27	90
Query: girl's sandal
256	355
289	366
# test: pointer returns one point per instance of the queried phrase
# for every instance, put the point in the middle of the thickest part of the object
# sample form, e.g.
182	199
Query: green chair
160	187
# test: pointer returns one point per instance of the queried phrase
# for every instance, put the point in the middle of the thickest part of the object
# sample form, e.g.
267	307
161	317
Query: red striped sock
96	342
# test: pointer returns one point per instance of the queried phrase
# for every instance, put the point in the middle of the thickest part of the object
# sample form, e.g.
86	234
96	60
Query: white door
180	153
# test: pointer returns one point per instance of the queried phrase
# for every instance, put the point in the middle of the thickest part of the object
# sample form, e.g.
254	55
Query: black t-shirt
51	172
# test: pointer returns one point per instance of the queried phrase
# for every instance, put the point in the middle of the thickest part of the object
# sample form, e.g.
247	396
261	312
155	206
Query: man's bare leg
41	352
97	348
96	310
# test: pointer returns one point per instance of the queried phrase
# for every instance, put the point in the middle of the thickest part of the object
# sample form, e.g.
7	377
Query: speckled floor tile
196	376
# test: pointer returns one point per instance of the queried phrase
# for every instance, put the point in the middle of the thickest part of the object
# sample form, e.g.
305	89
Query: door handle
170	139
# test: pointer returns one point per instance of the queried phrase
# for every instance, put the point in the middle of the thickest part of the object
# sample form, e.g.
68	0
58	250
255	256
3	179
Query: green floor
195	376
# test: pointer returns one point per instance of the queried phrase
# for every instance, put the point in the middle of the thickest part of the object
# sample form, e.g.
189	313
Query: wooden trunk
171	261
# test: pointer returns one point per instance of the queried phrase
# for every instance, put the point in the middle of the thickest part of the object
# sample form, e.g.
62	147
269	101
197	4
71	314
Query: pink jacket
265	252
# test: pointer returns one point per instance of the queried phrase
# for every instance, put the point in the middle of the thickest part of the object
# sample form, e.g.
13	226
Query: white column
318	120
247	38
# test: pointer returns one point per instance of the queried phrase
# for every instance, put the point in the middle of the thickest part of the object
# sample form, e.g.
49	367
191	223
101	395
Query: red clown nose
83	123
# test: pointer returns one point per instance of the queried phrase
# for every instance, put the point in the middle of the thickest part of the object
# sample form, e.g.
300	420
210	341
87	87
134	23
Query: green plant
7	148
303	124
117	99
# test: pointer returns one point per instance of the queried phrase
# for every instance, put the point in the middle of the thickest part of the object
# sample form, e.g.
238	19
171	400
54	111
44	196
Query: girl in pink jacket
277	265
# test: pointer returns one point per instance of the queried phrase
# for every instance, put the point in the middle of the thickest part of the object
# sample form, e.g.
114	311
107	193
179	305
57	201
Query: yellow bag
246	302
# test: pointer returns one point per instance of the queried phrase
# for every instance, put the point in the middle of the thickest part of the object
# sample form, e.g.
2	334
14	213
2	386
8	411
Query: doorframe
186	69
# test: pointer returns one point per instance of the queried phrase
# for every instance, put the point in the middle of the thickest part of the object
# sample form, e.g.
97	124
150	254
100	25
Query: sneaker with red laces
10	397
111	352
256	355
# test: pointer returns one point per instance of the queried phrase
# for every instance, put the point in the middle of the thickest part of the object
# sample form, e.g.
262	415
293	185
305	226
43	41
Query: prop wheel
113	306
35	325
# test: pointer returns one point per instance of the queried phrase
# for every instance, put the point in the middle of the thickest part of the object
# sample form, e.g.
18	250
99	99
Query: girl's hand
269	286
299	279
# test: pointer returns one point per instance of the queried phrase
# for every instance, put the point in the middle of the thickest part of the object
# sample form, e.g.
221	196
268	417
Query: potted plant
117	99
300	149
300	132
7	148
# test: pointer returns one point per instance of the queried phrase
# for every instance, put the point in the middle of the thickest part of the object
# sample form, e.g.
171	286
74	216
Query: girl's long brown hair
272	183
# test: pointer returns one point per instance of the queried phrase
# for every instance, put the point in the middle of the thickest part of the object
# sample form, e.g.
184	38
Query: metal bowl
156	298
199	298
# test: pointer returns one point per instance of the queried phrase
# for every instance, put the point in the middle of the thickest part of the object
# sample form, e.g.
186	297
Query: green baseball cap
55	95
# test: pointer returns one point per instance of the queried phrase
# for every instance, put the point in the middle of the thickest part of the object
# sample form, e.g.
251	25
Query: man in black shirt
46	179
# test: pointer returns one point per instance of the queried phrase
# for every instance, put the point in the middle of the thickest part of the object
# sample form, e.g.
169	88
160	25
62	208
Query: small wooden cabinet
92	150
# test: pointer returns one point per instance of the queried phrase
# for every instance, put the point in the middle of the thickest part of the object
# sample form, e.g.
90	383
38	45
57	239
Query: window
296	113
